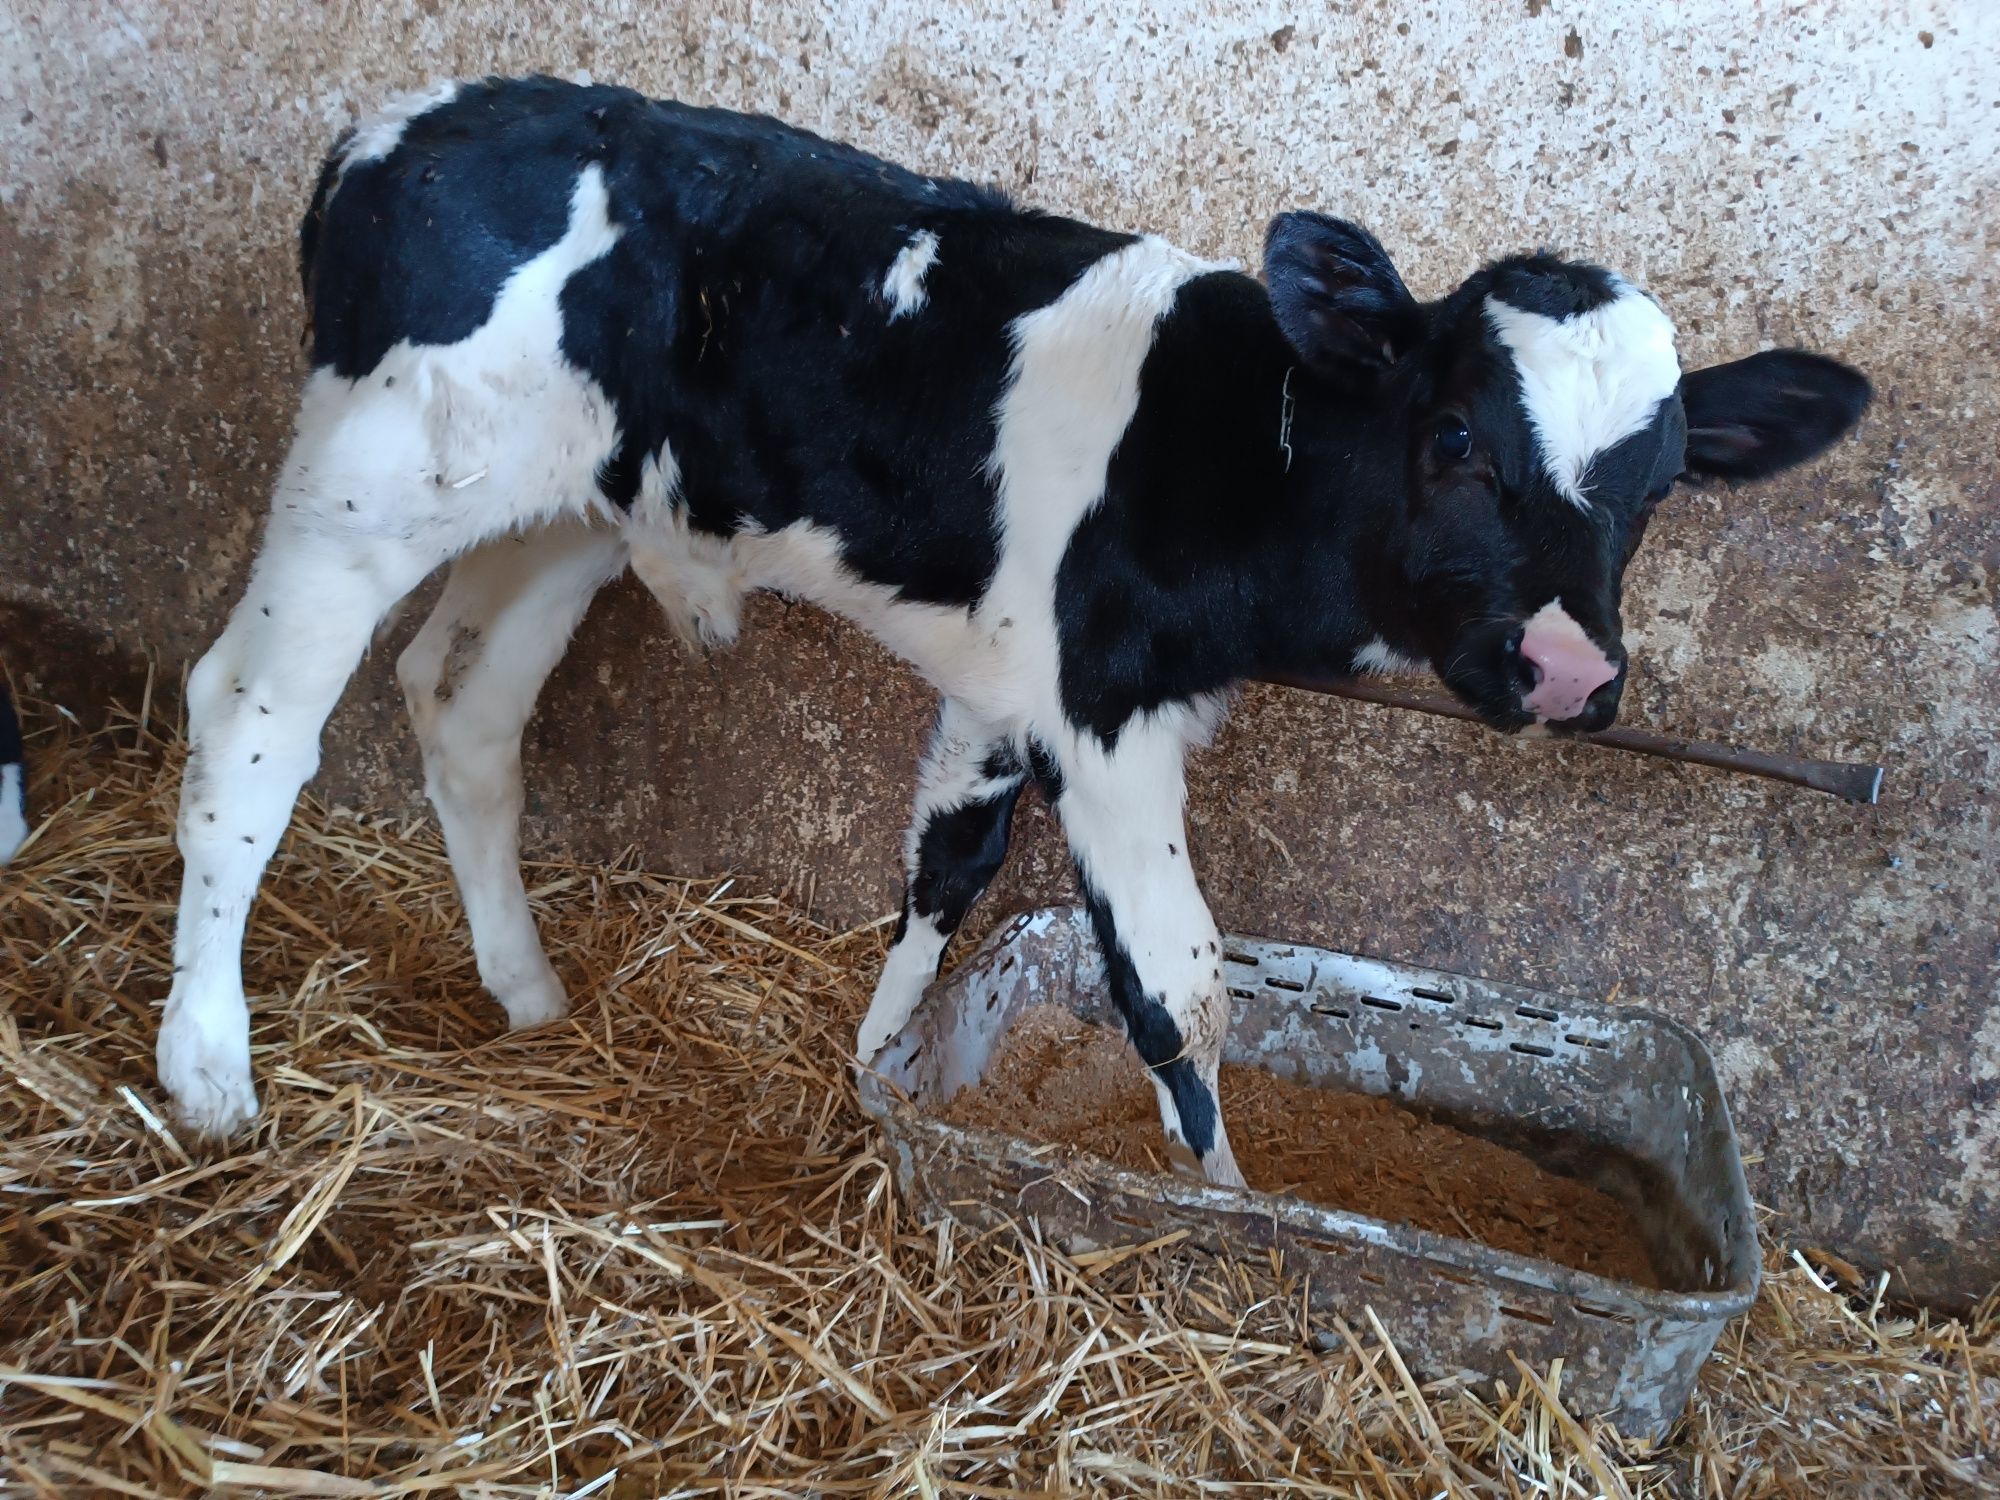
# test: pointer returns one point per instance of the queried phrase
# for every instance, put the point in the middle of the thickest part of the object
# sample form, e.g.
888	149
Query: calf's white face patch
1588	381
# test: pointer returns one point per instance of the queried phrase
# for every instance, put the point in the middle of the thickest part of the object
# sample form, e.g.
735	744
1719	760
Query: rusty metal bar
1853	783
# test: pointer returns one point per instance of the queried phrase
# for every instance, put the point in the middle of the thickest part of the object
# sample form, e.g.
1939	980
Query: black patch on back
765	358
416	245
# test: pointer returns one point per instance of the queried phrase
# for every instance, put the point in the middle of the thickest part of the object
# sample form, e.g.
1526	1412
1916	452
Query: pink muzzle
1568	664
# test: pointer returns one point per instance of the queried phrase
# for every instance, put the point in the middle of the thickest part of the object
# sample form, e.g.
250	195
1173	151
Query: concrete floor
1815	174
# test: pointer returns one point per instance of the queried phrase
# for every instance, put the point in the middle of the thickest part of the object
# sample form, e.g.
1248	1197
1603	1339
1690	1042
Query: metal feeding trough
1621	1099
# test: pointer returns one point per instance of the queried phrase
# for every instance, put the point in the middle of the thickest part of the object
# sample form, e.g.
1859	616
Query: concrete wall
1821	174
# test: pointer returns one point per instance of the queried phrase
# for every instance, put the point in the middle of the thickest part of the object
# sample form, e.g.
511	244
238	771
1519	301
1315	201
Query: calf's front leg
966	790
1124	812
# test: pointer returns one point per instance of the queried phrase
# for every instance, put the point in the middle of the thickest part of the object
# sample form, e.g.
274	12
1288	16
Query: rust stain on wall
1791	179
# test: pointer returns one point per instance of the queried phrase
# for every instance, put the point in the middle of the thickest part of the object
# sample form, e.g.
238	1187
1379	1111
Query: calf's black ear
1755	416
1338	299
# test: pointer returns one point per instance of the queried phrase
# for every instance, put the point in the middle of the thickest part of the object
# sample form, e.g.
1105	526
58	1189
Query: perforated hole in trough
1328	1008
1325	1247
1601	1312
1524	1315
1240	958
1380	1004
1482	1023
1272	981
1438	997
1531	1049
1587	1041
1536	1013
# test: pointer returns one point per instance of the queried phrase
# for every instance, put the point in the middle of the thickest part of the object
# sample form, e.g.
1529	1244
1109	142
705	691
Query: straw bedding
655	1249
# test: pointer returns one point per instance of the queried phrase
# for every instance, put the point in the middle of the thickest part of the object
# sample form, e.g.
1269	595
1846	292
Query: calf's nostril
1525	668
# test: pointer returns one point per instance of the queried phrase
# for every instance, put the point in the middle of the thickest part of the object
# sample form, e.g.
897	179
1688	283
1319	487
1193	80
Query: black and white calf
1083	481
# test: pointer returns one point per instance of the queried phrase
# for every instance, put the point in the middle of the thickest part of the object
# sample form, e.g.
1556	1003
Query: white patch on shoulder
379	134
903	286
1588	381
1379	656
1071	394
13	811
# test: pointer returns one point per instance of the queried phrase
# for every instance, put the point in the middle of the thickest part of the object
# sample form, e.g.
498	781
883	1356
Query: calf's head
1535	416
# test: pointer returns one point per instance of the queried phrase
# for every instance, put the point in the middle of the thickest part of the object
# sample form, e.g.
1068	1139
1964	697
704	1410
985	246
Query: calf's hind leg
471	677
256	703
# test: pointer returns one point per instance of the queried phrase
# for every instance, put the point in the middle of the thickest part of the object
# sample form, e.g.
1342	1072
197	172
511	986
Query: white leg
1124	814
471	677
13	780
966	790
256	704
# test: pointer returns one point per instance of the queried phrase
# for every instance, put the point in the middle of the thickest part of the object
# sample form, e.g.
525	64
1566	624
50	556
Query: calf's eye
1454	438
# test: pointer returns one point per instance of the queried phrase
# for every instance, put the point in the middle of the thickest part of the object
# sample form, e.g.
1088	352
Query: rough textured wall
1824	175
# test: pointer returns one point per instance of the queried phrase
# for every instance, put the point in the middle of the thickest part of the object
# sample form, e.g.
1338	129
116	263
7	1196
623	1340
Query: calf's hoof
208	1080
534	1001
